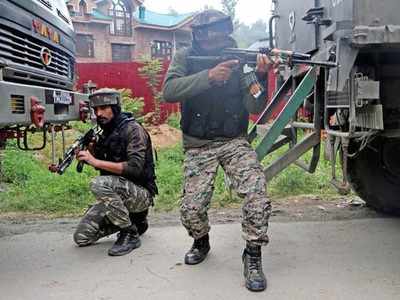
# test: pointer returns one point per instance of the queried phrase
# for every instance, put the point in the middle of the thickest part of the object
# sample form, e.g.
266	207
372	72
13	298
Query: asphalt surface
352	259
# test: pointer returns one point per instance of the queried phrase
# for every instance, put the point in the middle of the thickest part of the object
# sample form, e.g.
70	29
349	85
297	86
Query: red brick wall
122	75
125	75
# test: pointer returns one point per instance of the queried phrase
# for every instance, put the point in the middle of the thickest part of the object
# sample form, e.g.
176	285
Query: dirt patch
164	136
292	209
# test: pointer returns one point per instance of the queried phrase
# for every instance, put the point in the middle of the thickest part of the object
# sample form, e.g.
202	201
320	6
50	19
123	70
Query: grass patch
32	188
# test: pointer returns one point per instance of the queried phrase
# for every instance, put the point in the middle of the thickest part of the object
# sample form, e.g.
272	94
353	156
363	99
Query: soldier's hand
265	63
222	72
87	157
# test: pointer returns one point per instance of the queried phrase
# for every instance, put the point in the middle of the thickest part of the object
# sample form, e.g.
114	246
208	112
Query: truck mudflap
24	105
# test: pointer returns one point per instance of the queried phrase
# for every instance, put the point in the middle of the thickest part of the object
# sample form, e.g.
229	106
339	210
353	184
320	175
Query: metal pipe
346	134
53	146
303	125
271	30
63	138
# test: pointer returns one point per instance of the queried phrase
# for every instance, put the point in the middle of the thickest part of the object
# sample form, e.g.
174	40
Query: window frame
161	49
129	58
90	46
120	15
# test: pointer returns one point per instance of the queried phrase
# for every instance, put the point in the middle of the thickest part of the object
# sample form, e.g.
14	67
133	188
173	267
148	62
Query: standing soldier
216	102
126	186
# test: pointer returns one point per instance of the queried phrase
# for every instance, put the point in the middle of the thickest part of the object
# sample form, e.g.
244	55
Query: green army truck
354	103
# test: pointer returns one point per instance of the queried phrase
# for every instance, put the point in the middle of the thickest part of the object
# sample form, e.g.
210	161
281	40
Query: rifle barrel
326	64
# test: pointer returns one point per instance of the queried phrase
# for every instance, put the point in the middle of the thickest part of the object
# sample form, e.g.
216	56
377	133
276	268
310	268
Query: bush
174	120
131	104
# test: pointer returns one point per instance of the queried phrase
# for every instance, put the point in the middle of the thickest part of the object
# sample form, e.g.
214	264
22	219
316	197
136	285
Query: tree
246	35
172	11
229	7
206	7
151	70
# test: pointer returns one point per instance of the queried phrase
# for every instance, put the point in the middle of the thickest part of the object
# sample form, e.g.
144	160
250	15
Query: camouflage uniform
121	199
240	163
216	101
203	155
116	198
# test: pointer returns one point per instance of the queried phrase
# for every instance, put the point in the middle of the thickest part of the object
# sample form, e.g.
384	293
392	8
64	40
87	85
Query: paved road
356	259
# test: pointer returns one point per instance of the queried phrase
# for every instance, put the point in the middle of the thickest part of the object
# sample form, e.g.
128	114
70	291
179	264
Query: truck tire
375	174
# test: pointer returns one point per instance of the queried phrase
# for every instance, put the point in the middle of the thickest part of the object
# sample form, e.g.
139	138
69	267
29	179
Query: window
121	24
84	45
161	49
121	52
82	8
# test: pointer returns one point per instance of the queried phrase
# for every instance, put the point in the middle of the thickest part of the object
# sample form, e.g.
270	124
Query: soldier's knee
81	239
95	184
192	211
85	235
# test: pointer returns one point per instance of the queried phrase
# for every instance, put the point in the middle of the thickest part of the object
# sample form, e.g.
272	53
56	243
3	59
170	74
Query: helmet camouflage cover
104	96
211	20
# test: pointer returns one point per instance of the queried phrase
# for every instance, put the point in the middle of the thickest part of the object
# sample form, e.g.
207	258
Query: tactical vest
217	112
113	147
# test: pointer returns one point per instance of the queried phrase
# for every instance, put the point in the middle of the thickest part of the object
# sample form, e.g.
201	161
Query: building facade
123	31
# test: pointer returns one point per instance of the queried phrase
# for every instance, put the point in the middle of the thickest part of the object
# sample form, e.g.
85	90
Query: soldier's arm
136	151
179	86
113	167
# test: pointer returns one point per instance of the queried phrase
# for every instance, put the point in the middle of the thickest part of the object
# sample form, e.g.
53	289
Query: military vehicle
37	58
355	103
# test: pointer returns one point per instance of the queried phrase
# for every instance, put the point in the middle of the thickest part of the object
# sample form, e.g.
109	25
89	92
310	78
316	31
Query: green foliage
81	127
169	178
32	188
132	104
229	7
174	120
246	35
295	181
152	72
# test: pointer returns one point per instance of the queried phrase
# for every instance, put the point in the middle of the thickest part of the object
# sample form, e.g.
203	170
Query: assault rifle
249	57
80	144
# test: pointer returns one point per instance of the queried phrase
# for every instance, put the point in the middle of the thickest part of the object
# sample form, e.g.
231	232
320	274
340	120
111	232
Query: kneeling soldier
126	186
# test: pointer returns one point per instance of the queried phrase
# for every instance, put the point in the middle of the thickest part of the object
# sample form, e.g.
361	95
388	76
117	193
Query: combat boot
140	220
253	273
128	240
198	252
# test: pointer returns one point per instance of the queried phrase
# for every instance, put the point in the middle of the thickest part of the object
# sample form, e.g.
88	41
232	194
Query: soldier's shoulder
134	127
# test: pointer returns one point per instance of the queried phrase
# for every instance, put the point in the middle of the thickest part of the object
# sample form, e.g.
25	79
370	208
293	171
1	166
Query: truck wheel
375	174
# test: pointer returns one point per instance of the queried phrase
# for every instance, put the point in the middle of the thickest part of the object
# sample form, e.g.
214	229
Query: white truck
37	69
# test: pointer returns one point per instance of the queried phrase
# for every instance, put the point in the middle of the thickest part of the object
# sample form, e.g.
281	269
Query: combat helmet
105	96
209	22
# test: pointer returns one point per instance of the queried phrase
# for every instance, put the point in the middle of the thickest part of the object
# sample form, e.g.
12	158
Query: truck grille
24	51
17	104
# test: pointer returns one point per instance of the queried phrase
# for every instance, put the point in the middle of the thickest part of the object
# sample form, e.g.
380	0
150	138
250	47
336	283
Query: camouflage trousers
116	198
240	164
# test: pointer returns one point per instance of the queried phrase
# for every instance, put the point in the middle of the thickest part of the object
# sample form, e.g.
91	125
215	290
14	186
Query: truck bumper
16	101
